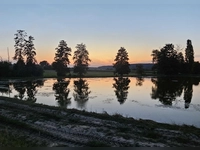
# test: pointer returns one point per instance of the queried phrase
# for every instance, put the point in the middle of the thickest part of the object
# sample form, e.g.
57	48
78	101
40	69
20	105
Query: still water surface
167	100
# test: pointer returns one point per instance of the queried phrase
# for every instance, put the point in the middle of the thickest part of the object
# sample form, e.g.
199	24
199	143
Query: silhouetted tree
45	65
182	64
53	64
81	59
19	67
19	46
25	47
29	51
196	68
121	86
62	92
62	59
81	92
167	60
5	69
155	59
155	55
189	56
121	64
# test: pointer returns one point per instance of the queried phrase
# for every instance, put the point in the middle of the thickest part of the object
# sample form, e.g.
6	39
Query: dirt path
51	126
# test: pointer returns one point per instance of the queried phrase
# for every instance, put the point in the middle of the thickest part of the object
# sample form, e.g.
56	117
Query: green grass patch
49	73
93	74
99	73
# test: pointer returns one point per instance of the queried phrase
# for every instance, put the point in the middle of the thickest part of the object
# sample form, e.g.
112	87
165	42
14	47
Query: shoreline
50	126
101	74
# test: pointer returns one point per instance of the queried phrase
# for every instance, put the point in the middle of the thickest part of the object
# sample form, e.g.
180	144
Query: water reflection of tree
20	87
121	86
31	90
81	92
166	89
62	92
28	87
188	90
5	88
139	81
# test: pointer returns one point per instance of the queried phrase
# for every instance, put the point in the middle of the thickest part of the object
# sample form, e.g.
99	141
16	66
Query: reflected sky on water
167	100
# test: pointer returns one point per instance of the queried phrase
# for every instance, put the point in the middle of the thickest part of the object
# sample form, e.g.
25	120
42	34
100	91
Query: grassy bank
108	73
105	115
101	74
27	124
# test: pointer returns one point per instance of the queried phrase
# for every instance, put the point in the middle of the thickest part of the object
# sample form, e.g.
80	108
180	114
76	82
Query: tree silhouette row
168	60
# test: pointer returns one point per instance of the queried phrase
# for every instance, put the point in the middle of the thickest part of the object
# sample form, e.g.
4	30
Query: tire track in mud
66	133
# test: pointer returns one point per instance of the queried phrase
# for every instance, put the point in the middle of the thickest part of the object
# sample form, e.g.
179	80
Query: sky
102	25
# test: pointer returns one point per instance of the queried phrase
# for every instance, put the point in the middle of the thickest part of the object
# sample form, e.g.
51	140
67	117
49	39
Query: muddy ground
47	126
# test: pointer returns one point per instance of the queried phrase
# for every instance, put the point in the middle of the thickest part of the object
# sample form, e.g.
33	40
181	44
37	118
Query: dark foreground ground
33	125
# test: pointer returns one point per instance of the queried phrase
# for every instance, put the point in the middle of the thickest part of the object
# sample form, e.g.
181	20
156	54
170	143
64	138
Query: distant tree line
168	60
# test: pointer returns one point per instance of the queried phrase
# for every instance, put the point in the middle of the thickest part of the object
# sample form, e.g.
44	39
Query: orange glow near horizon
101	59
98	56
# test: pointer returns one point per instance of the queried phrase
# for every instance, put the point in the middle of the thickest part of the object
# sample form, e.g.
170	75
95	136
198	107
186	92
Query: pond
167	100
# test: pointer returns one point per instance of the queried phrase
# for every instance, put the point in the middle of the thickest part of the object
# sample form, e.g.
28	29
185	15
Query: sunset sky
103	25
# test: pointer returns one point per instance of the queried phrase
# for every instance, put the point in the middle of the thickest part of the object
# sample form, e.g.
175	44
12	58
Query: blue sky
104	26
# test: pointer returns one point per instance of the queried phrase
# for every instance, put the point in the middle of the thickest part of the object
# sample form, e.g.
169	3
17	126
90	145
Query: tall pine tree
62	59
19	47
189	56
81	59
121	64
29	52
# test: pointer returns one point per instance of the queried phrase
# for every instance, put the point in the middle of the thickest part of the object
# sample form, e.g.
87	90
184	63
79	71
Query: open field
101	73
49	73
52	73
93	73
26	125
